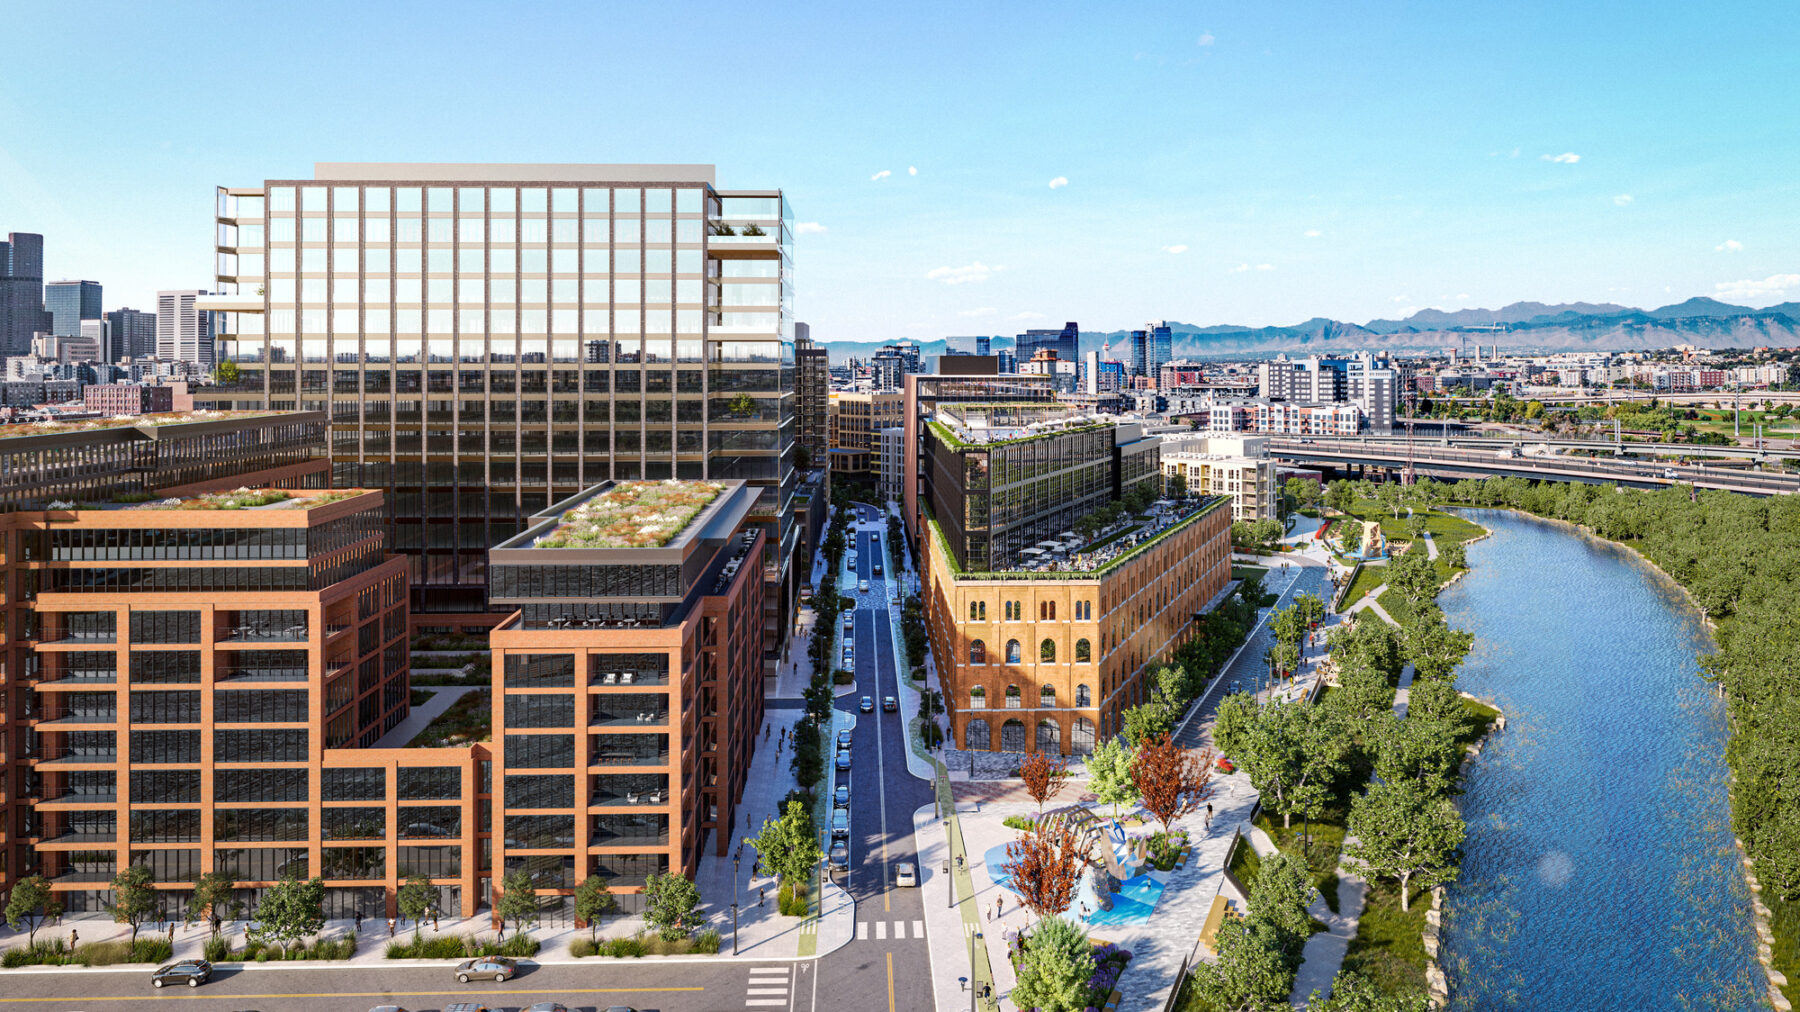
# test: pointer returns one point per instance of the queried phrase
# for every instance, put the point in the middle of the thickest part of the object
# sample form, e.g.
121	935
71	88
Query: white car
849	620
906	876
863	586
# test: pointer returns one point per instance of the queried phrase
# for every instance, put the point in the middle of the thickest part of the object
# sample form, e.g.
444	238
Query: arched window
1084	652
977	697
1049	737
1014	655
982	607
1083	696
1012	736
1052	611
977	652
977	737
1047	651
973	612
1013	699
1082	739
1047	696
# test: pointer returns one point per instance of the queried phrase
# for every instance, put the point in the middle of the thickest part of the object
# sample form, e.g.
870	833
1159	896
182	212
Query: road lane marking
890	969
862	930
881	931
918	929
191	996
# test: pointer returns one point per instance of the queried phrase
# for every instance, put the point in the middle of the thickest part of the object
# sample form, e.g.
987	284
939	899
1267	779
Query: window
165	627
1047	611
540	791
540	751
1083	695
1013	699
165	666
431	821
1084	652
1014	653
165	746
1047	651
1047	696
261	785
165	707
977	652
259	824
430	783
977	737
246	745
165	786
359	784
977	697
353	824
540	711
540	671
540	830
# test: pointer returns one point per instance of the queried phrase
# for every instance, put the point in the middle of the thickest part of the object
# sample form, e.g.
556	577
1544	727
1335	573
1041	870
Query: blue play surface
1133	904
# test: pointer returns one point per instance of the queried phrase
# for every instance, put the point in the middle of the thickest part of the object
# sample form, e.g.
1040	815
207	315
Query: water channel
1599	871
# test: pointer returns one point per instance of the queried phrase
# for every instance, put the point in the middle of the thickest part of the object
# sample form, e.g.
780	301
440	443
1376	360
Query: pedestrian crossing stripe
880	930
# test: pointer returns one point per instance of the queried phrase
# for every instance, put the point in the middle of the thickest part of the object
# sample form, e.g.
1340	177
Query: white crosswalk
768	987
881	931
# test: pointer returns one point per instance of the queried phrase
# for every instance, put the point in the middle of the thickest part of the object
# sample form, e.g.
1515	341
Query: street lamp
734	908
736	857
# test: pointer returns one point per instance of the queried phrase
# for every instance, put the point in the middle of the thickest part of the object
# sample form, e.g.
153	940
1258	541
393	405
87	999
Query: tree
789	845
518	900
1414	575
290	910
1350	535
1043	776
1280	894
1292	752
1176	487
212	897
1109	774
1251	973
594	900
1454	555
1054	969
1362	693
743	405
417	900
1405	832
31	904
134	898
1433	648
671	905
1146	721
1352	992
1422	752
1045	864
225	372
1388	495
1172	780
1340	496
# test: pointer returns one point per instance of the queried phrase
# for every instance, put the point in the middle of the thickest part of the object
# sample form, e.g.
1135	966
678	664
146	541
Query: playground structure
1118	885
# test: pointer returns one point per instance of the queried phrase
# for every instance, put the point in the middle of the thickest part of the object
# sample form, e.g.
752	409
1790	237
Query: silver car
495	968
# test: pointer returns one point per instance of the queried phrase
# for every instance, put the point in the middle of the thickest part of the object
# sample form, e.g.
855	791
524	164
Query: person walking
1209	815
74	936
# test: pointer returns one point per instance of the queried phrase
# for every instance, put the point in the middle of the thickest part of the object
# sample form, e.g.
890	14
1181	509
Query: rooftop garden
956	442
633	514
469	719
121	422
253	498
1094	562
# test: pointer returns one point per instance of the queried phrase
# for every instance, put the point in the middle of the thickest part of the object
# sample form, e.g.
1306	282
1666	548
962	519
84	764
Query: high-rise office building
21	292
812	387
129	334
69	303
184	331
492	339
1065	342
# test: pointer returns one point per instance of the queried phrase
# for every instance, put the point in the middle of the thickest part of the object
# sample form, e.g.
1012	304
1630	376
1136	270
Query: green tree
1350	535
212	897
518	900
1413	574
134	898
1147	722
31	903
1431	646
1251	973
290	910
1405	832
1233	722
417	900
1340	496
225	372
1362	693
1175	486
1054	971
1422	752
1351	992
594	900
1109	774
1280	894
1388	494
789	845
1454	556
671	905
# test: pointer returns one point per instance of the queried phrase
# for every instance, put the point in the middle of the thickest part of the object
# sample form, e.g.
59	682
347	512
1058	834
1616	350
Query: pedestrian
390	927
760	891
756	867
359	916
1209	815
1000	906
74	937
502	935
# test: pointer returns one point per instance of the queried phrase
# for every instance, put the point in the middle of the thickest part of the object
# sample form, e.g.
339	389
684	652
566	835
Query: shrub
582	947
843	676
1018	822
707	942
632	948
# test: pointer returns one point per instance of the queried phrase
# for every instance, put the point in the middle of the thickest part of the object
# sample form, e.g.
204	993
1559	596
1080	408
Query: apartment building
1281	418
1041	647
1238	469
812	388
855	419
628	683
490	339
127	398
1357	380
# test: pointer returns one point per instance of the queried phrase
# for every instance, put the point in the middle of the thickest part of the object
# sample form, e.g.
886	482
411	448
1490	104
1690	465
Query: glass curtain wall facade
499	339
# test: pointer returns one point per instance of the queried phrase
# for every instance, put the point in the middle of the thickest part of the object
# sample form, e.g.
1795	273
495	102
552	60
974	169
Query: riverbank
1776	936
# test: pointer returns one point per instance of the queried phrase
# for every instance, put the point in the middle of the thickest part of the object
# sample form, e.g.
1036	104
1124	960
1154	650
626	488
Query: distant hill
1521	326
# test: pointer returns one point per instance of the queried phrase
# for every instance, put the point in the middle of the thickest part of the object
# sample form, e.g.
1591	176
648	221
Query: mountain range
1534	327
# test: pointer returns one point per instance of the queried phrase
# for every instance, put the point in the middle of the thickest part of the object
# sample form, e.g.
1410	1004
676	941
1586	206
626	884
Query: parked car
849	621
398	1008
548	1006
906	876
844	738
840	823
849	658
889	704
841	796
867	705
843	759
462	1006
192	972
840	855
494	968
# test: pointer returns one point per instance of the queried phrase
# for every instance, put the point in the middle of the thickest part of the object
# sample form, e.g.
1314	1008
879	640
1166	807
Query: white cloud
1622	199
1205	39
1728	246
1059	182
1566	158
883	174
976	271
1462	297
1177	248
1313	233
1028	315
977	311
1265	267
808	228
1240	268
1401	298
912	170
1405	311
1771	288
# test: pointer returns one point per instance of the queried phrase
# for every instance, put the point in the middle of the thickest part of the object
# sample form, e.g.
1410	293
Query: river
1599	871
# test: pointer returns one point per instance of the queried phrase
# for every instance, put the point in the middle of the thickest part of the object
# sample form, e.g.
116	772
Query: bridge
1451	463
1631	448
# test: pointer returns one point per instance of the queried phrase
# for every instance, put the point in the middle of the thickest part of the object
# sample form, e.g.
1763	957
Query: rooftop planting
252	498
120	422
633	514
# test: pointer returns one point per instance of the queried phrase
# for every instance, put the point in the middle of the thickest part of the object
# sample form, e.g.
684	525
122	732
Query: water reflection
1599	872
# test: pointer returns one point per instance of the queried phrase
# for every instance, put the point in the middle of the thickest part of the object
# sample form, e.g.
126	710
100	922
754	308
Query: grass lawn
1482	717
1367	579
1245	864
1240	570
1321	851
1444	527
1389	947
468	719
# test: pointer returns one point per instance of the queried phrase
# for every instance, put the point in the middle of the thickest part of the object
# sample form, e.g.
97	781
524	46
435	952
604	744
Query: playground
1117	886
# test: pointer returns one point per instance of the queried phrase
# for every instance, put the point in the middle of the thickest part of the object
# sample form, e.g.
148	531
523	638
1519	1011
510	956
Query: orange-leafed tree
1172	780
1045	865
1043	775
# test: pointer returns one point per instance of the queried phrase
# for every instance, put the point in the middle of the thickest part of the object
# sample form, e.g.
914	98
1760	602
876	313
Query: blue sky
1248	163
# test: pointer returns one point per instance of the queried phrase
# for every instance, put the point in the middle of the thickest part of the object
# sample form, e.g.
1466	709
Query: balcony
78	839
258	633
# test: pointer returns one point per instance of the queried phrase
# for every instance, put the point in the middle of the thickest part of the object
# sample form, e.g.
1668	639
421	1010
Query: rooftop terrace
1072	556
979	424
632	514
253	499
150	421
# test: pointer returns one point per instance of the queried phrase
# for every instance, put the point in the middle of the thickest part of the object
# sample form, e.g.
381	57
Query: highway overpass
1449	463
1493	444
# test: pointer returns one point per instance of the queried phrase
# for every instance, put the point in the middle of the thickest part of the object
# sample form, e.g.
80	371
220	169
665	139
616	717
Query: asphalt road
886	966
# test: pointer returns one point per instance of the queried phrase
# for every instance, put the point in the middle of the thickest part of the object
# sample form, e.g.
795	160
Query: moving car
397	1008
906	876
867	705
494	968
863	587
843	759
841	796
192	972
889	704
844	738
840	823
458	1006
877	567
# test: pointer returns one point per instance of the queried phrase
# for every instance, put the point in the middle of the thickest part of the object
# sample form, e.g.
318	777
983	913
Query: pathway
442	698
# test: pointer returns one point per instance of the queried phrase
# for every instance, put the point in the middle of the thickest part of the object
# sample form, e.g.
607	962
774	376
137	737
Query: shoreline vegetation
1736	560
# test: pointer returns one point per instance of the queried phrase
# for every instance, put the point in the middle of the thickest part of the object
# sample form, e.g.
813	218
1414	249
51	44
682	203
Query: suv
843	759
840	855
844	738
494	968
462	1006
841	797
840	823
192	972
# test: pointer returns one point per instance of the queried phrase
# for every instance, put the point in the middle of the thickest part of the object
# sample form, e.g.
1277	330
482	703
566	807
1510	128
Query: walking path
443	697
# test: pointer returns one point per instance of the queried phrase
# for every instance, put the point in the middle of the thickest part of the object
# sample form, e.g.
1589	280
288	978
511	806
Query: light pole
737	856
734	908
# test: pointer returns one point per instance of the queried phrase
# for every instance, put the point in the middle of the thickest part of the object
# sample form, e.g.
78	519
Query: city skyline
1218	168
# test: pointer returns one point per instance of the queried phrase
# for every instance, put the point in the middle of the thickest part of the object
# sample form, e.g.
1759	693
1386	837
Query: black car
192	972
